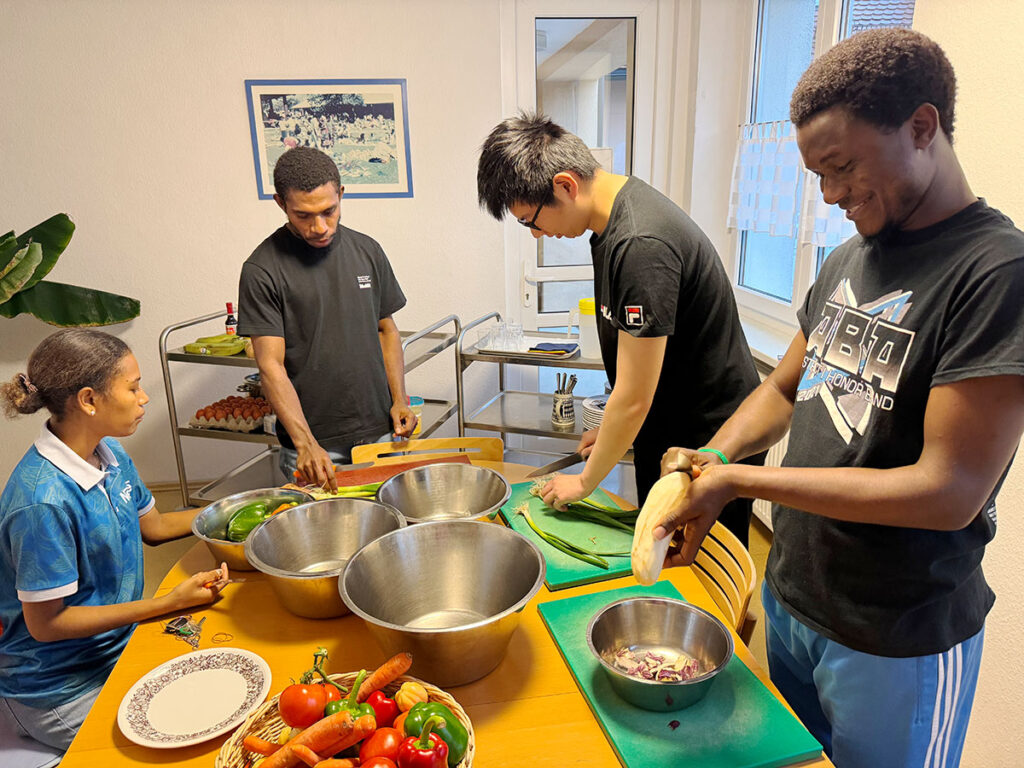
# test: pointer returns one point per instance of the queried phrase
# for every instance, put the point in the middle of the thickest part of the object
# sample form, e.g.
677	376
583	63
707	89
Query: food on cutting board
655	664
237	414
329	726
648	554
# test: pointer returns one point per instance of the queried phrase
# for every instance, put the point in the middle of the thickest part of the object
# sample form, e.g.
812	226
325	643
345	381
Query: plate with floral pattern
194	697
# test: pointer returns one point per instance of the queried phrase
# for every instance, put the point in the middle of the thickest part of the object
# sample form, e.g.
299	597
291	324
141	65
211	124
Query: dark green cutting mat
562	570
739	724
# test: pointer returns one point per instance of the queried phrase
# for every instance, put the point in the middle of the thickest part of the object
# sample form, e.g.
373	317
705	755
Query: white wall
982	41
131	117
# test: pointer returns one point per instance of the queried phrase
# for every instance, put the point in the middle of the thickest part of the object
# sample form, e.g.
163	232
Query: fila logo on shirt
126	493
364	281
634	314
606	313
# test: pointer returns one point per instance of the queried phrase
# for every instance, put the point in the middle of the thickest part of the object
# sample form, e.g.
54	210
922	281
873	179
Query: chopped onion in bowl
662	667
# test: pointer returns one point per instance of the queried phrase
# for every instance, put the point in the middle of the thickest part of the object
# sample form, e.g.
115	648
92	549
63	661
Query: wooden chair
484	448
726	570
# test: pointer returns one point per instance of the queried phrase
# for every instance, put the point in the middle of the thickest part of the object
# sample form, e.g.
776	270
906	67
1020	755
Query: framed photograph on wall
362	124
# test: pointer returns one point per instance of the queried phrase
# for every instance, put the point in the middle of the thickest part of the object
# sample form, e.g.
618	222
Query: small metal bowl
665	625
211	523
445	492
303	550
450	592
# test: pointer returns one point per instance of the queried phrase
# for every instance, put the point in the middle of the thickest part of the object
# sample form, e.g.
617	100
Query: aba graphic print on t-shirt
856	354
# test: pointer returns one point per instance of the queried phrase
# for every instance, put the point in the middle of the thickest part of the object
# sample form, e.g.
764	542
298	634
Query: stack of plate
593	411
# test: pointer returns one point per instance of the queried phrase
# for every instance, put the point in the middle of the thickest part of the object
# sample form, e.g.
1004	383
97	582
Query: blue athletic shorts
870	711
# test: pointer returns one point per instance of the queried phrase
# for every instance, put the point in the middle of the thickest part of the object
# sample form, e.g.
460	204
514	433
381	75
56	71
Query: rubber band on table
222	637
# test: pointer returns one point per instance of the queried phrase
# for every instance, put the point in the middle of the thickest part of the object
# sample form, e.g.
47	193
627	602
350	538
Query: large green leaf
53	235
71	305
8	247
17	273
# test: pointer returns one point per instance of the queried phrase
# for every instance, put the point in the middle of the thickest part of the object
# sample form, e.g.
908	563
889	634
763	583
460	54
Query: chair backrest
485	448
726	570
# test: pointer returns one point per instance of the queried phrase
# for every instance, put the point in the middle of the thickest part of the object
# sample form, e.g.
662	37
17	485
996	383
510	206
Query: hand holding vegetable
315	465
561	490
198	589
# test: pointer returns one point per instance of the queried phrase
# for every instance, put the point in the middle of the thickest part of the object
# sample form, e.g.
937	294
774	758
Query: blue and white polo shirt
67	530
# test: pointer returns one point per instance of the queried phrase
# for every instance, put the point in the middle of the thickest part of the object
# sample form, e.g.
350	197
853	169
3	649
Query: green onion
563	545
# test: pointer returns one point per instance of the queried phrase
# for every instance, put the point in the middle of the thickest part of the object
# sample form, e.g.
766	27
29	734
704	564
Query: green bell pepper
453	733
349	704
245	519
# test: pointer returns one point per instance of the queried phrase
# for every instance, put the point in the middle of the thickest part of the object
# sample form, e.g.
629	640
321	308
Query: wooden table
527	712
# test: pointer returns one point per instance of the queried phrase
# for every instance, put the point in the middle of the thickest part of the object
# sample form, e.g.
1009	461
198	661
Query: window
775	271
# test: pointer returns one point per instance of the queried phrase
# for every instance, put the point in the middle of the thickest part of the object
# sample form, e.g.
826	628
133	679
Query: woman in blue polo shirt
73	517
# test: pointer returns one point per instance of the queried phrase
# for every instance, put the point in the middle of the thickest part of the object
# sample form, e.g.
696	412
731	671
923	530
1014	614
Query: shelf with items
260	471
513	411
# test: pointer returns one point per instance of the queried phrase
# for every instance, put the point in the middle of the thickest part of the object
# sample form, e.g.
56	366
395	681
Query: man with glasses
670	334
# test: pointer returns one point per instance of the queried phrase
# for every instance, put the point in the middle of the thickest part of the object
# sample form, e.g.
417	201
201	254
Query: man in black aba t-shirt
670	334
317	300
904	394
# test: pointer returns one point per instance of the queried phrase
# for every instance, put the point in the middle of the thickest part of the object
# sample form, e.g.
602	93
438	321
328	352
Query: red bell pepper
385	709
427	750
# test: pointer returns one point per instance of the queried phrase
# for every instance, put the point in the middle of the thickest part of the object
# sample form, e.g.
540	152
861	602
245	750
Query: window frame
752	303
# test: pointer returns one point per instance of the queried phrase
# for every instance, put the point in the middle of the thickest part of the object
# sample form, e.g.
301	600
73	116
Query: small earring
92	412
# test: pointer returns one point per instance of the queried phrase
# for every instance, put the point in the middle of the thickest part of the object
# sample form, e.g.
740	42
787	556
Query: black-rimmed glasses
532	223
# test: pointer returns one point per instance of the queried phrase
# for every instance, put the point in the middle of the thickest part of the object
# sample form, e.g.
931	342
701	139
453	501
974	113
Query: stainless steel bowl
661	625
303	550
445	492
450	592
211	523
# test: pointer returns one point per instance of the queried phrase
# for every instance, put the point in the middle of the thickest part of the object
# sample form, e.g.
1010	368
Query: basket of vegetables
385	719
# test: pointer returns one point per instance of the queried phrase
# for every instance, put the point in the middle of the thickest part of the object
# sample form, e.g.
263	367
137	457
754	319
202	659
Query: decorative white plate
194	698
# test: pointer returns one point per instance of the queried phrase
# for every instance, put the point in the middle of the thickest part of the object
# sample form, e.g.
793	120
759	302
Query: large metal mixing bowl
666	627
211	523
303	550
445	492
450	592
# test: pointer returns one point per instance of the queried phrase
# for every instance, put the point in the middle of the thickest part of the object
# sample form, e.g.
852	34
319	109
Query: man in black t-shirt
904	394
670	334
317	300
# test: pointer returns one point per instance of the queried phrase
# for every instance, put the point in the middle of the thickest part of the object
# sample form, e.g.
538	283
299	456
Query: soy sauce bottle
231	322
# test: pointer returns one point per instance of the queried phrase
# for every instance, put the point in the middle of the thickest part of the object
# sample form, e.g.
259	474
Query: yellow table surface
527	712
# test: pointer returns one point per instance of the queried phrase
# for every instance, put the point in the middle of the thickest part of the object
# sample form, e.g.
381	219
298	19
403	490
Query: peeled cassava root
648	554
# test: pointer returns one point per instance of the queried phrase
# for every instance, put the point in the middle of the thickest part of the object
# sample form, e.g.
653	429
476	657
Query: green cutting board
562	570
739	724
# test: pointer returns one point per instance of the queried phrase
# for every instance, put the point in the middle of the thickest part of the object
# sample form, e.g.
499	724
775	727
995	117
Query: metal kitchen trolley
261	470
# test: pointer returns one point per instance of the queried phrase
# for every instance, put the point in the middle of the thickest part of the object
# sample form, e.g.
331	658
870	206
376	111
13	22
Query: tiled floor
620	482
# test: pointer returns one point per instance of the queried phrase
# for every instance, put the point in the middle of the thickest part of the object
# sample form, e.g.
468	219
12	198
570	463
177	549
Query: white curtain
767	180
772	192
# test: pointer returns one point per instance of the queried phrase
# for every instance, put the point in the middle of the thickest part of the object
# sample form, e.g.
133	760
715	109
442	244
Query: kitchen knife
554	466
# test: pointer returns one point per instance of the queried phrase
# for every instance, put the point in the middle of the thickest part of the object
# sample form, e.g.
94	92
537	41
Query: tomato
302	705
331	693
377	762
384	742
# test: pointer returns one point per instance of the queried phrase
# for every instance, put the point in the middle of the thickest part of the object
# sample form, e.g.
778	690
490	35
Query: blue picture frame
362	124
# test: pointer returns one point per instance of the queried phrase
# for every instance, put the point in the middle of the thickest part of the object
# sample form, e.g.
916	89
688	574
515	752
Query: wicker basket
266	722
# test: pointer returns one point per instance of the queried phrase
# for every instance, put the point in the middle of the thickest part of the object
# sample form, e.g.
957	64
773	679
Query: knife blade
554	466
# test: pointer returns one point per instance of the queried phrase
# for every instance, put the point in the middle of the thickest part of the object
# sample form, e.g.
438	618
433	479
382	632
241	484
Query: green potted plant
27	258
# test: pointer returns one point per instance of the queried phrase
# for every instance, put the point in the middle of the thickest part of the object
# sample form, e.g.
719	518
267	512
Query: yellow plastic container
590	346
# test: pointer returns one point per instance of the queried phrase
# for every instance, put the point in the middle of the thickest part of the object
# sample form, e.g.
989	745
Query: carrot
335	762
362	728
306	755
260	746
317	737
400	722
387	672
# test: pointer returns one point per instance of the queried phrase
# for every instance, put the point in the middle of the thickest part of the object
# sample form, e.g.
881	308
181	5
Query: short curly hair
881	76
304	169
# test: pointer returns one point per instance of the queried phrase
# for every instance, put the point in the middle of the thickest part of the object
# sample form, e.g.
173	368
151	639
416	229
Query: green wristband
719	454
